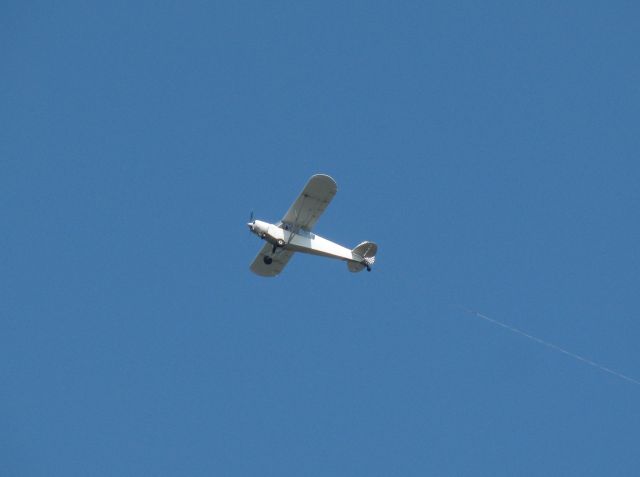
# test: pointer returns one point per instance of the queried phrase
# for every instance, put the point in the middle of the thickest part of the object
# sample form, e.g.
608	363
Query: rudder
363	256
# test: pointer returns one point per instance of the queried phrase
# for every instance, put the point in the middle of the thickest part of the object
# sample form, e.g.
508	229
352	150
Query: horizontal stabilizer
363	256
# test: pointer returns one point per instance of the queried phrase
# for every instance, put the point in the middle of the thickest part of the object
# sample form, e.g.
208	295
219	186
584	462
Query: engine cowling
260	228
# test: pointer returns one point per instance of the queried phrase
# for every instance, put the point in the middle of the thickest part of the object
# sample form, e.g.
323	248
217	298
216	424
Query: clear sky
491	149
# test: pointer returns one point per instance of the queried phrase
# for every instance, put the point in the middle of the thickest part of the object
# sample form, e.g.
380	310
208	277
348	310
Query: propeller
252	220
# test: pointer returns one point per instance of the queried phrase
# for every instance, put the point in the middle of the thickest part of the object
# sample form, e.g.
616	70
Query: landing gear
267	260
368	268
279	243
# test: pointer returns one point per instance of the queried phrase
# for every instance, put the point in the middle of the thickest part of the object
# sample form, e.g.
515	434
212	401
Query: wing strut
294	229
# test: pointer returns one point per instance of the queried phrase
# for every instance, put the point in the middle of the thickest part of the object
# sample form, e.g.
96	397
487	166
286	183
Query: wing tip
262	272
324	178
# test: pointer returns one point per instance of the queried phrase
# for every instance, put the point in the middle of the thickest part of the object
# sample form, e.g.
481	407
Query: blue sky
490	149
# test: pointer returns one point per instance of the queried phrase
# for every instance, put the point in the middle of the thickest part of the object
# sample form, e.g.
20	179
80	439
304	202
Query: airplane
293	233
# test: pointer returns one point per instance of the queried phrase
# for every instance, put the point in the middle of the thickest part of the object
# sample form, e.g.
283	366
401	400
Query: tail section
363	256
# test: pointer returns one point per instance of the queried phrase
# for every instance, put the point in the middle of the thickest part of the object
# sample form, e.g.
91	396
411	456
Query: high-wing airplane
293	233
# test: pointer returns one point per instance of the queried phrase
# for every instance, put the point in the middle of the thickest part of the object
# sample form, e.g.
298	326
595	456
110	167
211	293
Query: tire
267	260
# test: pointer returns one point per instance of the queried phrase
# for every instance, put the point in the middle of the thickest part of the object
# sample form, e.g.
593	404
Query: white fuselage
302	241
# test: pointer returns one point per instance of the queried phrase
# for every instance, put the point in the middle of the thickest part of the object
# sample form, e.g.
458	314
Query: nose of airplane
250	225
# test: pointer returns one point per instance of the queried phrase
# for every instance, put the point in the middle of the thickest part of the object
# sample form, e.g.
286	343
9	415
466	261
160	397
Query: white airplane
293	233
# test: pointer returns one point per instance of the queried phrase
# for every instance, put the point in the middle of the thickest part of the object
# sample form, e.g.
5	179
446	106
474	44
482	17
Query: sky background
491	149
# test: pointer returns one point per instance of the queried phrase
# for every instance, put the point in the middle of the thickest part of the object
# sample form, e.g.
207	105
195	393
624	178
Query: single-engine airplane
293	233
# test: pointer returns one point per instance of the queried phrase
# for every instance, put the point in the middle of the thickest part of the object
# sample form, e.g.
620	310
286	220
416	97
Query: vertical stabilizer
363	256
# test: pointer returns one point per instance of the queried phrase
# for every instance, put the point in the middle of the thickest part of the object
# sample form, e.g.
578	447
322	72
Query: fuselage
300	241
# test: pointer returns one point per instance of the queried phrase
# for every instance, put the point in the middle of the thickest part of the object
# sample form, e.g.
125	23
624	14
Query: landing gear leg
368	268
279	243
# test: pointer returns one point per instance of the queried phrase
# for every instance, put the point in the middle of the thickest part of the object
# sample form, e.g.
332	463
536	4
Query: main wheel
267	260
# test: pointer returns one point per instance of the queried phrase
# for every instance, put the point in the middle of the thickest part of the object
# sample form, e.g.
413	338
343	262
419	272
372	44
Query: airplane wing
279	261
311	202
